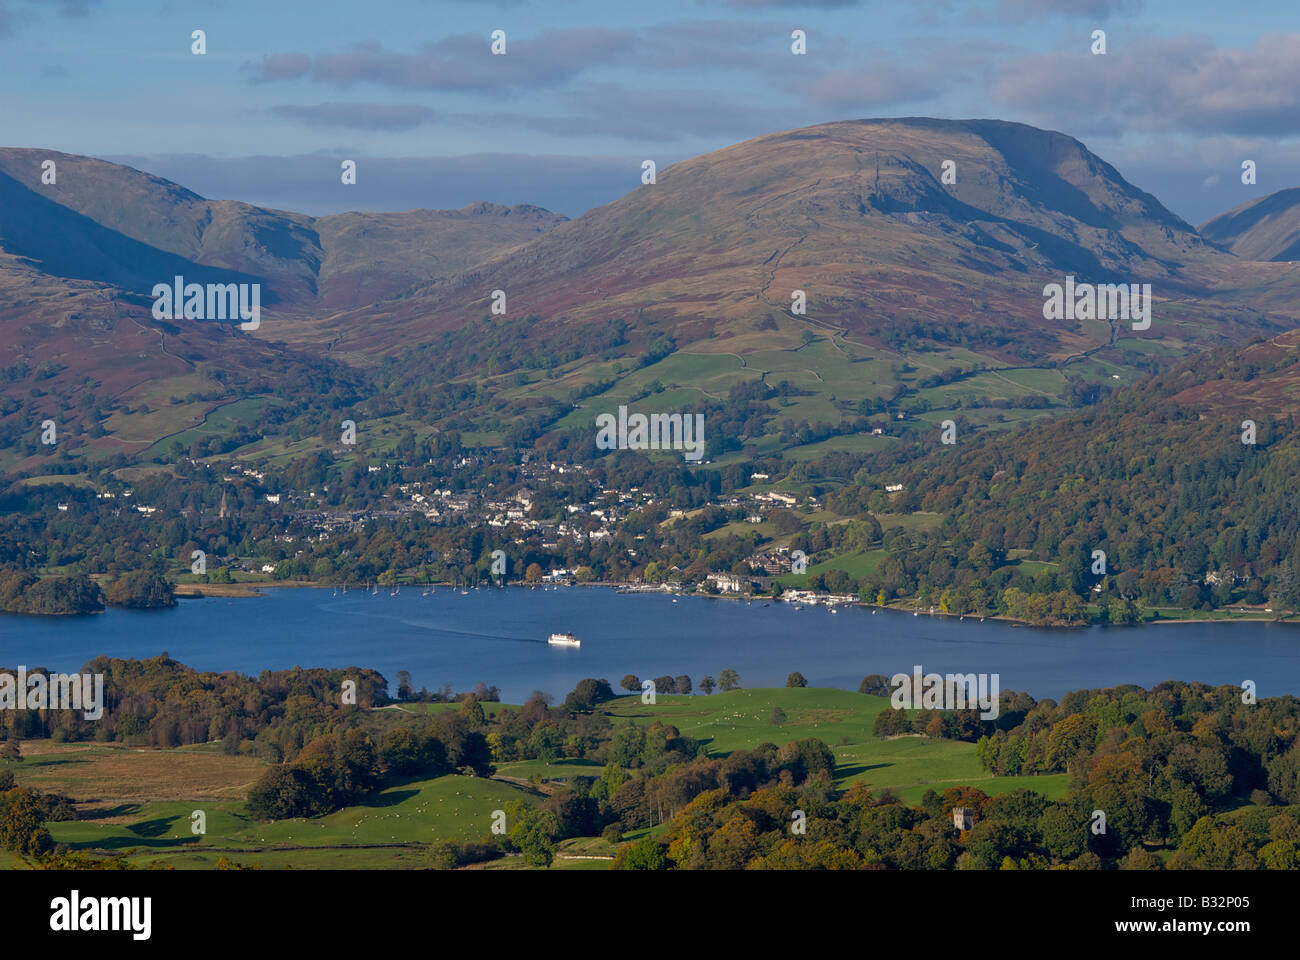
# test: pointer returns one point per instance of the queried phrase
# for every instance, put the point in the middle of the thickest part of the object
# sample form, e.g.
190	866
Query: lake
499	637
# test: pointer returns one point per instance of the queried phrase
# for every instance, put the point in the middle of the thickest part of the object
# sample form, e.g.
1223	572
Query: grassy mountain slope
910	282
923	297
1263	229
79	257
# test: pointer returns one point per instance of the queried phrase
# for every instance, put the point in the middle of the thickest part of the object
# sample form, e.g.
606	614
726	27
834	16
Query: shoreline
241	590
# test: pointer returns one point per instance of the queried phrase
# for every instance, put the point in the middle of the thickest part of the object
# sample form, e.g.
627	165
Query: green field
393	828
841	719
865	563
850	443
174	421
831	376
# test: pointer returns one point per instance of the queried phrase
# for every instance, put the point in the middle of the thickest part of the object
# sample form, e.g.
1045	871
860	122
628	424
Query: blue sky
586	90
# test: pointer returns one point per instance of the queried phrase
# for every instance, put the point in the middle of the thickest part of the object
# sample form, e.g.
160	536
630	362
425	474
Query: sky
588	89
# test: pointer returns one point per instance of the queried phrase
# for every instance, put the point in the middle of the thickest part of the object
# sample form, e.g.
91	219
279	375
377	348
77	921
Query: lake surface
499	637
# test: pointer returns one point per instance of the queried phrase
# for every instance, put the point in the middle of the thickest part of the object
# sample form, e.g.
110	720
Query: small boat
564	640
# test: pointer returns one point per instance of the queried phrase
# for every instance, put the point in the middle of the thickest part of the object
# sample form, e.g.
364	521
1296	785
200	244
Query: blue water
499	637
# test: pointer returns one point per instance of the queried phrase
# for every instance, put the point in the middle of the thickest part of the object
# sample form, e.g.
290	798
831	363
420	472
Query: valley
923	300
894	421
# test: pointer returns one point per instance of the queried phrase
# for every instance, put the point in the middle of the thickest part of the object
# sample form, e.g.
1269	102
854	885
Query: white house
724	582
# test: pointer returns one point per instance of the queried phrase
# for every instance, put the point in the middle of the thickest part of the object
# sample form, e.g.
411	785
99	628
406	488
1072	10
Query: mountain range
921	249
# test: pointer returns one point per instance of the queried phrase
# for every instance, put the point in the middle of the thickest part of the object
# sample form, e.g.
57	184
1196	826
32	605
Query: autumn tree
22	823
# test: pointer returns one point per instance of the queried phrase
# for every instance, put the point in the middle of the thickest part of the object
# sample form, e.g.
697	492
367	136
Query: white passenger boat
564	640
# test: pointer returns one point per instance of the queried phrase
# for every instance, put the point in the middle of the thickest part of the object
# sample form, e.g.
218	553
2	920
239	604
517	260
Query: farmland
143	801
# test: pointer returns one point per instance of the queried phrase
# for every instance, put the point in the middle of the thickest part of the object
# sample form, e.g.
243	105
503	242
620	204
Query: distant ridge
1263	229
920	247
